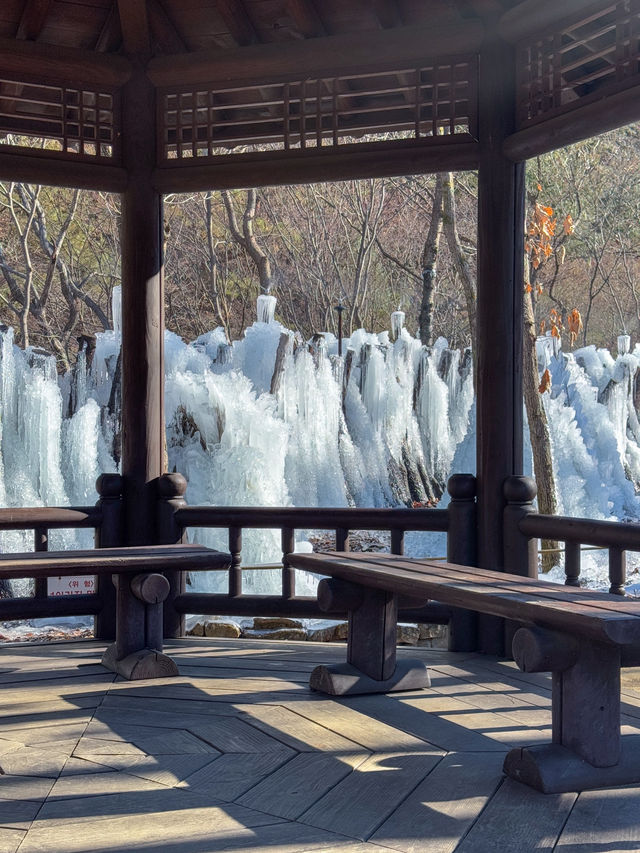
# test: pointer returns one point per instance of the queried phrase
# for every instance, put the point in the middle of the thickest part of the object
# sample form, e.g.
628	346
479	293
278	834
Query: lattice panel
79	123
590	57
433	100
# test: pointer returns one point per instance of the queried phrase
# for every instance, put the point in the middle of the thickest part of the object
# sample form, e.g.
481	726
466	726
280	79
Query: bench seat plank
462	587
42	564
543	588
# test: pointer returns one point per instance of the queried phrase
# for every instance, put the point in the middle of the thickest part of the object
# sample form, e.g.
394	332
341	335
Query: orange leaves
545	383
567	225
574	322
540	232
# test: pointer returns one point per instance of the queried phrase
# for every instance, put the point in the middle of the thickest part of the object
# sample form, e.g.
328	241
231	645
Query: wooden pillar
499	311
142	315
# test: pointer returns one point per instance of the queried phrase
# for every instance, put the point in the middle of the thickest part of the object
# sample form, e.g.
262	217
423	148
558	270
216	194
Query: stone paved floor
236	754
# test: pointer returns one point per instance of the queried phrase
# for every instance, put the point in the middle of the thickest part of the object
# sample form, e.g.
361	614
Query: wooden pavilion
147	97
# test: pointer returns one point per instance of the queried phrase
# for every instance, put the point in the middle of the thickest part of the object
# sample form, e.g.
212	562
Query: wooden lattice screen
79	123
585	59
434	100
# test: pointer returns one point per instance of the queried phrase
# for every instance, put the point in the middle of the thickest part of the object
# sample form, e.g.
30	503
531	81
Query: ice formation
271	421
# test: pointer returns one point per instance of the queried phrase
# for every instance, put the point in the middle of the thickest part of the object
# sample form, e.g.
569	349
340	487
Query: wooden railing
105	519
175	518
524	526
458	521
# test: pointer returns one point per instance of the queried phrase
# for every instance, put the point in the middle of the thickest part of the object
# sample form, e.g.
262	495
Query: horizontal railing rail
523	526
41	520
105	518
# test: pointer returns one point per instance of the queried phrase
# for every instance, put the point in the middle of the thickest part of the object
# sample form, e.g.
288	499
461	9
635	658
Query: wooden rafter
164	30
306	18
388	13
238	22
33	18
135	26
110	37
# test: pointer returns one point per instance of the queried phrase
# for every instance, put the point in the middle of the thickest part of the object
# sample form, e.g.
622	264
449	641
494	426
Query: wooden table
140	590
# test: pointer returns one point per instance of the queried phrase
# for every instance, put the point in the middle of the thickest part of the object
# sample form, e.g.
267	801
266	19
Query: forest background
372	246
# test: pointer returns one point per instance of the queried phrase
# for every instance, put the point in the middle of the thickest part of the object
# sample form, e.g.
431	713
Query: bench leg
137	651
586	744
371	651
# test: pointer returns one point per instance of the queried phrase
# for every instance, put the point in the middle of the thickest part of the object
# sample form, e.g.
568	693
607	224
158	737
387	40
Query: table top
124	559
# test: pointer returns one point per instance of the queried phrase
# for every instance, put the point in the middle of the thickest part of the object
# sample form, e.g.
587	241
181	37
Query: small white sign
72	585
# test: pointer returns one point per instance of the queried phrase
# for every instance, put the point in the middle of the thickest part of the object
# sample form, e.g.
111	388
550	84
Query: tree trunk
458	253
539	432
430	265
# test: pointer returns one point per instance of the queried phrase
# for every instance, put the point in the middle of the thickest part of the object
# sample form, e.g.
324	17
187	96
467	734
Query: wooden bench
140	591
581	636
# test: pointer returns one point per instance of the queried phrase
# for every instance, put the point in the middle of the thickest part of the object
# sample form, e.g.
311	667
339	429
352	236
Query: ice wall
270	420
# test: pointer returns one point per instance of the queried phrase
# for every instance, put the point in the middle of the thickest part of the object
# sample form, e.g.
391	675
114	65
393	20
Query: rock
197	630
222	629
262	622
328	633
274	634
342	631
407	634
431	631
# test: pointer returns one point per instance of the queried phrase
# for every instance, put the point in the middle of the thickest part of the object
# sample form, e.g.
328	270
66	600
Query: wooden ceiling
300	84
161	27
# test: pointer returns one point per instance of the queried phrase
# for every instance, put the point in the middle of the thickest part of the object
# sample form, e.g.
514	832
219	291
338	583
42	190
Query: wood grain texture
357	806
512	822
444	806
140	778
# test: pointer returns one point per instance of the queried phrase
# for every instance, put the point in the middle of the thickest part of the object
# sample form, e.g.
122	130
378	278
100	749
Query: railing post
288	538
617	570
41	543
397	541
572	563
235	572
520	552
342	539
461	548
109	534
171	490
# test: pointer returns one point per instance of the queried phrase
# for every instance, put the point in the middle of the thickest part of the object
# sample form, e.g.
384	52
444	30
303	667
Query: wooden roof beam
33	17
306	18
330	56
62	64
164	30
577	123
536	16
360	160
38	168
238	21
135	27
387	13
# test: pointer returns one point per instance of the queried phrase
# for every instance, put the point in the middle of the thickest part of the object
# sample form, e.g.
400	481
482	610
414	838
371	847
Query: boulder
274	634
262	622
222	629
407	635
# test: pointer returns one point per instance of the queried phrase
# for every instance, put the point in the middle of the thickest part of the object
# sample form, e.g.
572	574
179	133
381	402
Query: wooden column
499	312
142	315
